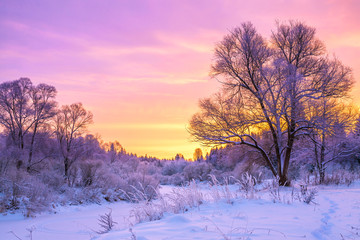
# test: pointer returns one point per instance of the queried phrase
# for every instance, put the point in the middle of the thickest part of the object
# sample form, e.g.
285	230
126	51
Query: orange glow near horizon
141	66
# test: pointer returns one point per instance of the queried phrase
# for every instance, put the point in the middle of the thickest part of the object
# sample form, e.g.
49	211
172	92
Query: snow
336	215
72	222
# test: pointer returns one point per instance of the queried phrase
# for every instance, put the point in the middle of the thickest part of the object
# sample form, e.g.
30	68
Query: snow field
336	215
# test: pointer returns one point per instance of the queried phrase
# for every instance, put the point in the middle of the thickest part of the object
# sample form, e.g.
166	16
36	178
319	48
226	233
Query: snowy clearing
336	215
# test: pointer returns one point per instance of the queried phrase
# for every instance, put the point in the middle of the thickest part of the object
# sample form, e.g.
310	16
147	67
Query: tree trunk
284	181
66	167
31	149
322	175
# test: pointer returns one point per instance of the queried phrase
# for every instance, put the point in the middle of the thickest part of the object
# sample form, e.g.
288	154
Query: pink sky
141	66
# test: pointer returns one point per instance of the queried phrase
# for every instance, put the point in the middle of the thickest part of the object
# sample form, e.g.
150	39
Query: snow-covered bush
341	176
173	167
88	171
176	179
53	179
106	222
247	184
21	191
219	190
183	198
37	197
197	171
139	187
307	195
179	200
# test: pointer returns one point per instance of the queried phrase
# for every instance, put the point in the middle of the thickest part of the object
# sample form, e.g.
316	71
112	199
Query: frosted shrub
247	184
177	201
88	171
340	177
53	179
21	191
10	193
251	168
173	167
128	164
183	198
148	211
220	190
106	222
140	187
307	195
274	191
197	171
38	197
176	180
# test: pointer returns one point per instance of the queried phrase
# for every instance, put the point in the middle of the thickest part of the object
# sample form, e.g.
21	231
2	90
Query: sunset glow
141	66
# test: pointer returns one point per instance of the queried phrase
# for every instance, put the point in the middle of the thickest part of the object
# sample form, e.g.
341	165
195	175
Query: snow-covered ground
336	215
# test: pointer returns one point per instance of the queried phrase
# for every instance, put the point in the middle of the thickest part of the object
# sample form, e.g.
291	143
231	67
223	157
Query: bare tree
70	123
332	122
24	109
266	88
15	114
43	108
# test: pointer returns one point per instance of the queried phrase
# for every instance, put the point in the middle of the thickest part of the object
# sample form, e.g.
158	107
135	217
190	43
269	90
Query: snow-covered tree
24	110
266	87
70	123
332	121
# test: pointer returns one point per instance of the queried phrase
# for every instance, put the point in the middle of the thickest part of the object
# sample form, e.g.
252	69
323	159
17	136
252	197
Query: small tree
198	155
70	123
179	156
332	122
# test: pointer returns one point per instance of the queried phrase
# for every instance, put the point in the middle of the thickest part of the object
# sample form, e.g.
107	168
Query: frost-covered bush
139	187
176	179
88	171
183	198
81	195
220	190
179	200
173	167
341	176
21	191
247	184
53	179
197	171
38	197
307	195
106	223
253	169
9	158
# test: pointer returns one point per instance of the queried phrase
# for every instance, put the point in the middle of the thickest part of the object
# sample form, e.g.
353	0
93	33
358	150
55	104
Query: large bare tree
70	123
266	86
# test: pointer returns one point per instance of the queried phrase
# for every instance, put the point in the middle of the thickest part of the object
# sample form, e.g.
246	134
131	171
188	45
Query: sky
141	66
